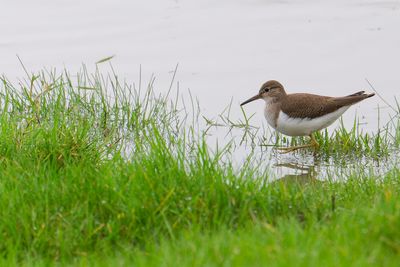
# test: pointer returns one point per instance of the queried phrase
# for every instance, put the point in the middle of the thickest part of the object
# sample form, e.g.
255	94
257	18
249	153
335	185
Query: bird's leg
313	143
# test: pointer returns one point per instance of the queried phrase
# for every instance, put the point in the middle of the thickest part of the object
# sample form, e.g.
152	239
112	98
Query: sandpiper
302	114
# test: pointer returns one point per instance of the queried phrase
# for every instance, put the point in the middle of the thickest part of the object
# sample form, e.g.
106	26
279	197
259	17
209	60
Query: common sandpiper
302	114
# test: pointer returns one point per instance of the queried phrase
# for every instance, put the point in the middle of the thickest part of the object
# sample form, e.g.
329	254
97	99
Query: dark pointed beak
251	99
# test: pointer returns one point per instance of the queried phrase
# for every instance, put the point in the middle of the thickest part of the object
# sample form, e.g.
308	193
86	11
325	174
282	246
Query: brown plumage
312	106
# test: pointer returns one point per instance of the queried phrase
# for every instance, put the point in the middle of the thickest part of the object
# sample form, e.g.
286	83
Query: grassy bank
97	172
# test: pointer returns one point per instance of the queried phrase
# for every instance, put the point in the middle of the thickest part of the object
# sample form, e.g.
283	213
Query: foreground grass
108	219
94	179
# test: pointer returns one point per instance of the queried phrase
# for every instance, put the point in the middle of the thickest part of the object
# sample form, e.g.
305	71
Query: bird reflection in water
303	173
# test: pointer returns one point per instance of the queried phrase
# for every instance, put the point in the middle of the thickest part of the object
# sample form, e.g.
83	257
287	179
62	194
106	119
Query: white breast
300	127
270	112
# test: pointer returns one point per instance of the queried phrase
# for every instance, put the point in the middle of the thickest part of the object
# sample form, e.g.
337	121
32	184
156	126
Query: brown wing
312	106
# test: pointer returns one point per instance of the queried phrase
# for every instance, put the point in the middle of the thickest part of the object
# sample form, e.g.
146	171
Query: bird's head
269	90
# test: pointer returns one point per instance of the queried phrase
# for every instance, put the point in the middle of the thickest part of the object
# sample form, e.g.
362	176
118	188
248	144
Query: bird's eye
266	89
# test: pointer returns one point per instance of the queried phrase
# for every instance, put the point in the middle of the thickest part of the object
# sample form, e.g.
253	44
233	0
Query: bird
302	114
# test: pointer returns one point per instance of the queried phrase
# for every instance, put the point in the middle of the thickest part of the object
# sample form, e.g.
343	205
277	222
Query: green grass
94	172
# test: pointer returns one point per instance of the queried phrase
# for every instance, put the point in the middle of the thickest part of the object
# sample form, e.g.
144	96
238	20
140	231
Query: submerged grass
96	172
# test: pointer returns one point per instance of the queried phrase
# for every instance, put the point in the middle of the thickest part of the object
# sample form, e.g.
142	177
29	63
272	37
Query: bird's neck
273	100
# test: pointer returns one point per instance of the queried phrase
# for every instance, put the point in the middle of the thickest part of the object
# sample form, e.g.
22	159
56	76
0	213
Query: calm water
225	49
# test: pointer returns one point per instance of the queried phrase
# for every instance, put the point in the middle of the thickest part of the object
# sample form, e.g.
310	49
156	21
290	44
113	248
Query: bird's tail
362	93
351	99
370	95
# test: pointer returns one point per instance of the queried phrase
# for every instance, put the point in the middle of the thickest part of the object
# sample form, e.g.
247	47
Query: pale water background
225	49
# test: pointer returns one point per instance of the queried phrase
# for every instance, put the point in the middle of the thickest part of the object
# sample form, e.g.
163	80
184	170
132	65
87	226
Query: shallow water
225	49
305	164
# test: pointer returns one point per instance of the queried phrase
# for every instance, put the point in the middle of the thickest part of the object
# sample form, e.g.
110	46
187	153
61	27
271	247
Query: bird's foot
285	150
313	144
